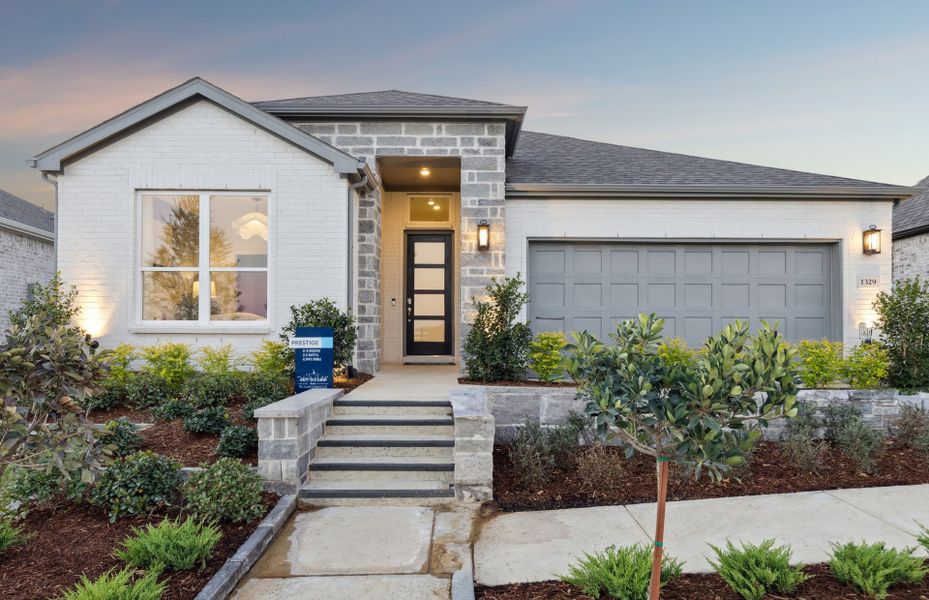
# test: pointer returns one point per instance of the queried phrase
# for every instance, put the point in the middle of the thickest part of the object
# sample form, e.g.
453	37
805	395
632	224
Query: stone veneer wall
911	257
25	260
481	147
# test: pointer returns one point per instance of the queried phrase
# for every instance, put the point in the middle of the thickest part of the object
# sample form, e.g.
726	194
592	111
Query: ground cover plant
120	585
619	572
692	415
874	568
173	545
496	347
755	570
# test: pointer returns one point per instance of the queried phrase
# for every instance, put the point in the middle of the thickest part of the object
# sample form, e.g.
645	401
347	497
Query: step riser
380	451
398	411
390	429
356	475
315	502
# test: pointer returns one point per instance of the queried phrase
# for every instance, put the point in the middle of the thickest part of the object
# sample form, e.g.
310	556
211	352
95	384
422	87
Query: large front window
204	257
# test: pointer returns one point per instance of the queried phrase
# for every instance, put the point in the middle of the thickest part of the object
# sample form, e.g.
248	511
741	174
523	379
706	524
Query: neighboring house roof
911	217
192	90
25	217
397	104
544	164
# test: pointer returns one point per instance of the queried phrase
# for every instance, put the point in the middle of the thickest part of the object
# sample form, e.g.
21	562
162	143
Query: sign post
312	348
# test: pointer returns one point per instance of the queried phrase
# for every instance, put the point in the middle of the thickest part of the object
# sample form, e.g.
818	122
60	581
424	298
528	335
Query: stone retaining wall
474	445
288	431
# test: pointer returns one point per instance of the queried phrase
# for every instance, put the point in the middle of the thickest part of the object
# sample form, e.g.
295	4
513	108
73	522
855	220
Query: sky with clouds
830	86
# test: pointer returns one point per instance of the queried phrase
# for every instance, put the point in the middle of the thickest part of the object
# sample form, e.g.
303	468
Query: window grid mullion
205	283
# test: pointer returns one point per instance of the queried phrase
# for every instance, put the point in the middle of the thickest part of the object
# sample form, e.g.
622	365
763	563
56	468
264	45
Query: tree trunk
654	588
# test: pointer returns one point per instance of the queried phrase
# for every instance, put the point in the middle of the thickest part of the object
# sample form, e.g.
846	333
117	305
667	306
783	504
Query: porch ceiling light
871	239
251	224
483	236
425	172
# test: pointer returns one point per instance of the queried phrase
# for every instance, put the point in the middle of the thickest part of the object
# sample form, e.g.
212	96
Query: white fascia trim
29	230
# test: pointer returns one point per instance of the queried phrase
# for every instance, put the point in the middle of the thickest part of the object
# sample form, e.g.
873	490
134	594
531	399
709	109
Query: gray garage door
697	288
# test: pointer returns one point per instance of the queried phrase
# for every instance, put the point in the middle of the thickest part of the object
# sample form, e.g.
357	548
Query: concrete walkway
536	546
408	382
367	553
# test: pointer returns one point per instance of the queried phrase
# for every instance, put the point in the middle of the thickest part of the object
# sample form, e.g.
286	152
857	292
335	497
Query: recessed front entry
428	294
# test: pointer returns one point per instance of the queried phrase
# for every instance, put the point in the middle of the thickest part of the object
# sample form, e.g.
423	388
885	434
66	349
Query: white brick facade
24	260
200	147
911	257
709	220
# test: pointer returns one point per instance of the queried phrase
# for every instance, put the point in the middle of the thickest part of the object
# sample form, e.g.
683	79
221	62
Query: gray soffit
398	105
53	159
22	216
911	217
546	165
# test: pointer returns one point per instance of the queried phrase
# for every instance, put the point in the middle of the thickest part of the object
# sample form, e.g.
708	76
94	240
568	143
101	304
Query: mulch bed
70	539
705	587
634	480
520	383
193	449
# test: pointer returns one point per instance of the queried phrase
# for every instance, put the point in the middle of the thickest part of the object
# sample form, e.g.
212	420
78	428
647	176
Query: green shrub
117	586
497	347
866	366
911	424
598	468
621	573
821	363
173	545
169	361
799	445
56	305
237	441
147	389
137	484
11	536
537	450
838	416
248	411
923	537
545	355
210	420
272	359
227	490
218	361
211	390
35	486
903	320
119	362
123	436
258	384
676	354
324	313
754	571
873	568
172	409
861	444
112	393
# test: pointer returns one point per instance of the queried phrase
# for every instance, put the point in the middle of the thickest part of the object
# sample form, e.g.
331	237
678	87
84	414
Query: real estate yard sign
312	348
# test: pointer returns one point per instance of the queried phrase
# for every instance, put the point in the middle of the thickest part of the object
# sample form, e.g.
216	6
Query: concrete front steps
384	452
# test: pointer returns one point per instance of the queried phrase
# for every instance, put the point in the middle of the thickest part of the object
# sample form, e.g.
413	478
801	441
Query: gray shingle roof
385	98
543	158
16	209
912	216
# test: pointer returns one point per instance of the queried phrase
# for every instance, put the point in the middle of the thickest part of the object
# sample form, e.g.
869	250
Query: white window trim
202	325
411	224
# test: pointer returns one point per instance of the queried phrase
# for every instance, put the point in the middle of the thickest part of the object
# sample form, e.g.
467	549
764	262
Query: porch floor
408	382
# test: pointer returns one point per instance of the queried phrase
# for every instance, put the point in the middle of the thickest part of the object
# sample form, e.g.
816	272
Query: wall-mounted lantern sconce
483	236
871	239
865	333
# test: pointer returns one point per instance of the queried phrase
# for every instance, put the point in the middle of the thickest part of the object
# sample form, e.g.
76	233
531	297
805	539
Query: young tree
701	415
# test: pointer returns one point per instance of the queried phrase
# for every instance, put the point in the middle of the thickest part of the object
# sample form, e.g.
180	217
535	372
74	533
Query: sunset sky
838	87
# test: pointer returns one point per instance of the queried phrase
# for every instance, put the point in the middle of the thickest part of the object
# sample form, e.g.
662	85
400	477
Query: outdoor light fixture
425	171
871	239
483	235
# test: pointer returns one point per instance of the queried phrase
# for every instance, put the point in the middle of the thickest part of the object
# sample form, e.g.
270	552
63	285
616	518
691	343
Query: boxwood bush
137	484
210	420
237	441
227	490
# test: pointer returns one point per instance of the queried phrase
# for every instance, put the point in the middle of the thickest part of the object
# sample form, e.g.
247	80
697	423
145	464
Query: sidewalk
537	546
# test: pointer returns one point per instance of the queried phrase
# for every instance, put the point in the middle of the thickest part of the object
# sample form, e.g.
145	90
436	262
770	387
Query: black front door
428	294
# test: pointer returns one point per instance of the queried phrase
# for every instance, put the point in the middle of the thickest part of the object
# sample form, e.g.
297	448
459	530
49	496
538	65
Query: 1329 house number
868	281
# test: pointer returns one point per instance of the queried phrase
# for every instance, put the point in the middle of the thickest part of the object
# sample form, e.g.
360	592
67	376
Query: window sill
262	329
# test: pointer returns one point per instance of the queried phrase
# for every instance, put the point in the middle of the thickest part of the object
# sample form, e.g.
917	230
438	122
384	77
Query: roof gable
544	159
911	217
195	89
16	212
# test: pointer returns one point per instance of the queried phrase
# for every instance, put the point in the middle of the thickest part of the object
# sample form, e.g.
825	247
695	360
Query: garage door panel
696	288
